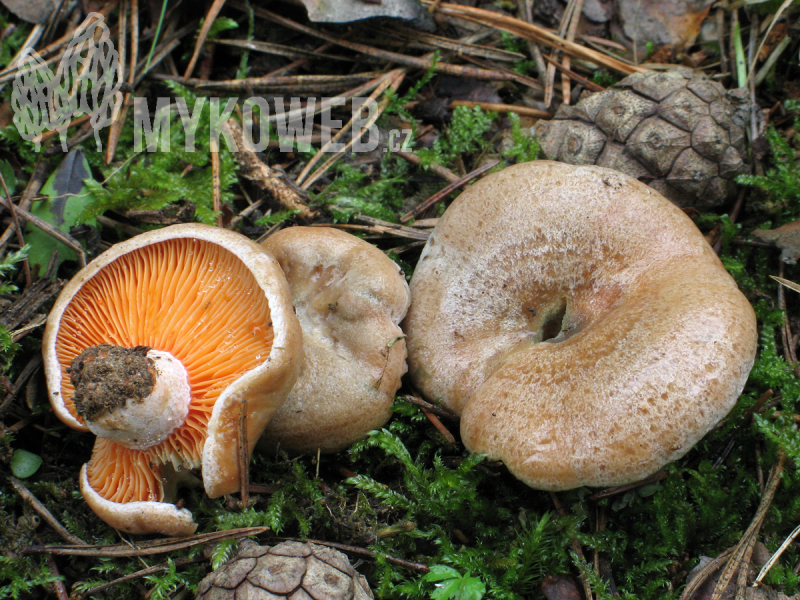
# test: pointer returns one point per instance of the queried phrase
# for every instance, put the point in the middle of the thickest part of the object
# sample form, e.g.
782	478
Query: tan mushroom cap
579	323
350	298
220	305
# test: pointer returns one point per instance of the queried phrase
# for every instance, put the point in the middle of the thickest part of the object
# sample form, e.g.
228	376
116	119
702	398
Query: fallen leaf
33	11
560	587
786	237
24	463
344	11
66	197
676	23
780	31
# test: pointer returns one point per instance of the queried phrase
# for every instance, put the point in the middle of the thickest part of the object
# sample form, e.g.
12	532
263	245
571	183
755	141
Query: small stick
576	547
180	561
411	61
507	108
719	17
786	332
161	546
201	39
431	408
387	80
435	168
58	585
743	550
419	567
34	185
244	455
44	513
20	238
774	558
215	182
566	74
624	488
50	230
442	194
589	85
440	427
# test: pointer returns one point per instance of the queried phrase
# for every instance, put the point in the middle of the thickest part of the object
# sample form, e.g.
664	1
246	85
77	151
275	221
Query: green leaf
8	176
451	585
221	24
440	573
67	195
24	463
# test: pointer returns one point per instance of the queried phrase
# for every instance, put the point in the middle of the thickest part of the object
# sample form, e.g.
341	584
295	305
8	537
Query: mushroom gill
172	296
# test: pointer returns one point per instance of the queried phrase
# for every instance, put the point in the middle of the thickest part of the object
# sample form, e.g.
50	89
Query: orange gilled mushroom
159	346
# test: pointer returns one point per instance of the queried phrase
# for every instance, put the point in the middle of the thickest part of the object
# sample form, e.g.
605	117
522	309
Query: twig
215	179
44	513
786	332
624	488
387	80
442	194
207	23
440	427
566	72
459	46
50	230
273	181
434	168
416	400
538	34
774	558
411	61
743	550
589	85
394	83
20	238
419	567
244	455
505	108
161	546
180	561
576	548
278	49
32	366
58	584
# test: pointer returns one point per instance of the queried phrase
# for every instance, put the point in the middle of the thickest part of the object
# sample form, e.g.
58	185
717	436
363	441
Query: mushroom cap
350	298
217	302
579	323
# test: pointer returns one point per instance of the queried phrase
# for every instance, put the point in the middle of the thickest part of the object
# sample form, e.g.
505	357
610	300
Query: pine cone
292	570
677	131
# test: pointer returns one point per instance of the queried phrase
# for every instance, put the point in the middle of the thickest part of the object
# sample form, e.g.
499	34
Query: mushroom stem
133	396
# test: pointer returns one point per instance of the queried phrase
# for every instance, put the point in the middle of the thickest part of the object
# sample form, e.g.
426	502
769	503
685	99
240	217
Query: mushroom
579	323
159	346
350	298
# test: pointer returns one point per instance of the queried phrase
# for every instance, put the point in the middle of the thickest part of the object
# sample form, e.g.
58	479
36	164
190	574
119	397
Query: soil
106	377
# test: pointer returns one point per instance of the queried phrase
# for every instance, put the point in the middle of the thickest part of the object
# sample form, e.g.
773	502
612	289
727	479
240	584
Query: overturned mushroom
350	298
579	323
159	346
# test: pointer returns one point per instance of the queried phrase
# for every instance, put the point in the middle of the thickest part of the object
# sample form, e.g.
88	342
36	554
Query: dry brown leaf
676	23
33	11
786	237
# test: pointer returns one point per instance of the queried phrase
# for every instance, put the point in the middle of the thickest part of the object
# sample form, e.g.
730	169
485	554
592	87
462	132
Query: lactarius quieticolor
579	323
159	346
350	298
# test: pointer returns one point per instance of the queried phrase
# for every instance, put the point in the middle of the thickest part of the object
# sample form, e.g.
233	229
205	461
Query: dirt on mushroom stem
107	377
